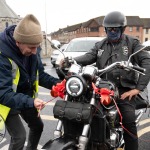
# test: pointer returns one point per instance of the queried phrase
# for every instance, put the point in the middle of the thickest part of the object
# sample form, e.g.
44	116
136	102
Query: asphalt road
50	122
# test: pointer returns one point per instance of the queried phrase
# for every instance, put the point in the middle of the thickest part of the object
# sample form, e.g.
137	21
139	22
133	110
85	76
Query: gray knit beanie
28	30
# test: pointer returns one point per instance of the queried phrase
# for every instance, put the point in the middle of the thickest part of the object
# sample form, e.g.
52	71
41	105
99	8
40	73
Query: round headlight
75	86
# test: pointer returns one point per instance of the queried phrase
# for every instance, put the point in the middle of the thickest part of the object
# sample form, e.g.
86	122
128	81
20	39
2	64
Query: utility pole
46	51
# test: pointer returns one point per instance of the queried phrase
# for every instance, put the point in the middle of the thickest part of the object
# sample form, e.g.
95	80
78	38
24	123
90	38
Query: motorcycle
88	116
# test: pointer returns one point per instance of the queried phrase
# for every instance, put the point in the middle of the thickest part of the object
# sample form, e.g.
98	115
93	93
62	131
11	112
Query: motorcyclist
118	47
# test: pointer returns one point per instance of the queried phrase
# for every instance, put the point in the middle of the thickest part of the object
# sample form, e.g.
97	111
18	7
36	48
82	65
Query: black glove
60	74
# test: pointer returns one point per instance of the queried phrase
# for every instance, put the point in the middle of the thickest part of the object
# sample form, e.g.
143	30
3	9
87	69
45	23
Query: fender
61	143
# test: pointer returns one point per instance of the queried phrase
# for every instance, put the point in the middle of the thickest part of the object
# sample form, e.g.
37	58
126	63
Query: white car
56	53
146	43
79	46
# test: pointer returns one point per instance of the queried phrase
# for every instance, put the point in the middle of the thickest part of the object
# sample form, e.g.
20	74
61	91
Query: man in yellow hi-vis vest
21	71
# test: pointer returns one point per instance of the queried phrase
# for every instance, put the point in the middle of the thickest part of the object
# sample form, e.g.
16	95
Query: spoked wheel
2	128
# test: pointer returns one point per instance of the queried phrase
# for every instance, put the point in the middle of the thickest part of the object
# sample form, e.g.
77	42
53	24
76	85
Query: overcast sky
55	14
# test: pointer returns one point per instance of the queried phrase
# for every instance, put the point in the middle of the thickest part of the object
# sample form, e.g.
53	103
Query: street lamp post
46	51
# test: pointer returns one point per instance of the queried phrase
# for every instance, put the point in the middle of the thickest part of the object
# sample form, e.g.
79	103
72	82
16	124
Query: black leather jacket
105	53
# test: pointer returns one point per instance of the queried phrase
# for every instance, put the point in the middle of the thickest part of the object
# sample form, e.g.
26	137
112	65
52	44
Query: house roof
134	21
6	11
131	21
146	22
72	28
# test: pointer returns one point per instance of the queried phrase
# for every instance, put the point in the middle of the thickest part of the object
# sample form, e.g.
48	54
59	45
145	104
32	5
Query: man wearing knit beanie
28	31
20	72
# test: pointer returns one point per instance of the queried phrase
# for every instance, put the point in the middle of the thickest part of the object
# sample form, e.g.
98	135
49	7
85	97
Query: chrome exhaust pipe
139	116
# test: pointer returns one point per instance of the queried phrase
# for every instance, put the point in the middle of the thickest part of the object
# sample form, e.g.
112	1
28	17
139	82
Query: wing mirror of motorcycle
145	47
55	44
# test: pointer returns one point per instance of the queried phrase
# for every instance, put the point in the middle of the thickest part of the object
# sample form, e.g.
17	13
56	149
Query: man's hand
39	104
60	62
130	94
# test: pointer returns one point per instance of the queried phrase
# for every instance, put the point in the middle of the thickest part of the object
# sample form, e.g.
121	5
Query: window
130	29
146	31
146	39
137	29
7	24
94	29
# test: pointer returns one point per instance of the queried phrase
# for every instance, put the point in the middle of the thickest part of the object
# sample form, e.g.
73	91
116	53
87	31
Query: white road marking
48	69
144	121
143	131
47	117
3	140
43	93
51	103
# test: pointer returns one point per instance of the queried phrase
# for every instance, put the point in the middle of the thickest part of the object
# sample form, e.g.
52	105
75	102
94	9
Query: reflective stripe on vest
4	110
36	85
15	75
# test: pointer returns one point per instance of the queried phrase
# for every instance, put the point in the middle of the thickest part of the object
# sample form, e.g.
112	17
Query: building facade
136	26
9	17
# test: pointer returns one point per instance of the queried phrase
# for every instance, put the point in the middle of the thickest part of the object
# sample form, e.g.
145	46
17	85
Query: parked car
147	43
77	47
55	54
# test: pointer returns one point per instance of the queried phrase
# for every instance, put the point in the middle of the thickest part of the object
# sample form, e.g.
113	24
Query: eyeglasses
115	29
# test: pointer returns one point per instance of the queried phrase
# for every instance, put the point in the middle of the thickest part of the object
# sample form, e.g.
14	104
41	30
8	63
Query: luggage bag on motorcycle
73	111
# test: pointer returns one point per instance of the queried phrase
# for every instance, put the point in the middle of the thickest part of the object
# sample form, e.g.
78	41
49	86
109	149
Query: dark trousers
17	131
127	109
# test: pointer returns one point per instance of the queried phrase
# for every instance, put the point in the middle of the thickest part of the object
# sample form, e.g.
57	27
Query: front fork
83	139
58	130
139	116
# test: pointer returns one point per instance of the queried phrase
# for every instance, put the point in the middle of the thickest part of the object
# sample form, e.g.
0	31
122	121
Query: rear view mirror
55	44
147	44
143	48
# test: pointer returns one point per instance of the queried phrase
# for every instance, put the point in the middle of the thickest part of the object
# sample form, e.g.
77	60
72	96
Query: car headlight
75	86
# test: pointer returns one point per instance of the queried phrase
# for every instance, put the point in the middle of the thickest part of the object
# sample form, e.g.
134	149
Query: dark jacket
28	67
105	53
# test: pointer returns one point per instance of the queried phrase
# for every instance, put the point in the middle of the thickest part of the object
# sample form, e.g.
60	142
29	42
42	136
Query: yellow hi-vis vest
4	110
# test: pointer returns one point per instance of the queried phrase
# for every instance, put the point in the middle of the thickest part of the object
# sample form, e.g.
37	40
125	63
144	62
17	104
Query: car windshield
63	47
80	46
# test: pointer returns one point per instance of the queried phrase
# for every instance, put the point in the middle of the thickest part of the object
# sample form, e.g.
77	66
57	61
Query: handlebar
142	70
124	65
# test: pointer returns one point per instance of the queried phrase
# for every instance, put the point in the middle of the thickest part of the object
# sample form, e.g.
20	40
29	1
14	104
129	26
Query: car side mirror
55	44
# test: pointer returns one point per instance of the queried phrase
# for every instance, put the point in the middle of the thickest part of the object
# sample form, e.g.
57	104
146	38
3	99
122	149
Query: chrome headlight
74	69
75	86
89	72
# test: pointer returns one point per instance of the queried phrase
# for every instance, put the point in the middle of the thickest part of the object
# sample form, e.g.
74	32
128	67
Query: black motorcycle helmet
115	19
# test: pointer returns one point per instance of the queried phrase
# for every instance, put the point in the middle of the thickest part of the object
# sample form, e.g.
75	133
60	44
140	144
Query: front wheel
62	143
